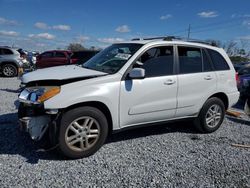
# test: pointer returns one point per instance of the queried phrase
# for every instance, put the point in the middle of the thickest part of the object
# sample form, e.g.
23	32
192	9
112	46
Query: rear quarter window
218	60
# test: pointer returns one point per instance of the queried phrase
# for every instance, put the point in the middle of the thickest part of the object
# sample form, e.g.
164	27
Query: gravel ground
171	155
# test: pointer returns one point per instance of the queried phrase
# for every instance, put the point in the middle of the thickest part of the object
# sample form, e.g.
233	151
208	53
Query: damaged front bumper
36	126
33	118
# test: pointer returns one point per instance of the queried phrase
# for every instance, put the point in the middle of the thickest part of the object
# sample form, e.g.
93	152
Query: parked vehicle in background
126	85
23	53
53	58
82	56
244	70
247	103
238	66
244	81
10	61
32	57
25	60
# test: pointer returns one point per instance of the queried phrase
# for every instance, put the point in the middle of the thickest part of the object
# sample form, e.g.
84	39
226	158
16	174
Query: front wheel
9	70
211	116
83	131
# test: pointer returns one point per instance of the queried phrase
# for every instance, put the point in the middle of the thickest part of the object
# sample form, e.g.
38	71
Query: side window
190	60
1	51
158	61
7	52
47	55
218	61
206	62
59	54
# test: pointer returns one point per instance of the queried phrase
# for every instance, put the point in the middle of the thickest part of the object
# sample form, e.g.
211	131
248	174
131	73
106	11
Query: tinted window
190	60
7	52
47	54
158	61
218	61
1	52
206	62
59	54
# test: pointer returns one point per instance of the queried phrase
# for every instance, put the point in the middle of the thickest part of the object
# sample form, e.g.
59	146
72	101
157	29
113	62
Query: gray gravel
171	155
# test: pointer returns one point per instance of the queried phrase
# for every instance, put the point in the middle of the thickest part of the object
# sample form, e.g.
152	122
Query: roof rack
175	38
165	38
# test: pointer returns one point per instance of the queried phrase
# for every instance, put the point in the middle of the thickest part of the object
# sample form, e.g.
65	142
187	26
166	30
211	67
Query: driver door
153	98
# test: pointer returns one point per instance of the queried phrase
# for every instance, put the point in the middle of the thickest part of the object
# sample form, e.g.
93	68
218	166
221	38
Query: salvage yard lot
167	155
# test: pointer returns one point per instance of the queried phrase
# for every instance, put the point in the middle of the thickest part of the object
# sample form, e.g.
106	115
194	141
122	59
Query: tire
211	116
82	132
9	70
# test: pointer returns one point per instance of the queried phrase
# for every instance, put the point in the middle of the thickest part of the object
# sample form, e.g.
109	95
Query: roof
171	40
179	42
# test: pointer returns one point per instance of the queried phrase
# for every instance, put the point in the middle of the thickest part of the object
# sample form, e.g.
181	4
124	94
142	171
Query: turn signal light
49	94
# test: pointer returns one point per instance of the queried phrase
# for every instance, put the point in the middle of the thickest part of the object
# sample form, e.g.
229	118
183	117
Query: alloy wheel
82	134
213	116
9	70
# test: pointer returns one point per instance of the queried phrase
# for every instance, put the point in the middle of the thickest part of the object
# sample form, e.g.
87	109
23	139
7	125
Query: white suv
127	84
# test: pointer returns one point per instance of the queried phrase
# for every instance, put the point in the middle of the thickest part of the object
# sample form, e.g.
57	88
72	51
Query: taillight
237	78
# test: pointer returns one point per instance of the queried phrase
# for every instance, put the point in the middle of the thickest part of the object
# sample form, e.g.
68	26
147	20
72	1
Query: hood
68	72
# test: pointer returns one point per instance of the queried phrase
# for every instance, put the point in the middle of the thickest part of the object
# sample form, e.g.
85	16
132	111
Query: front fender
80	92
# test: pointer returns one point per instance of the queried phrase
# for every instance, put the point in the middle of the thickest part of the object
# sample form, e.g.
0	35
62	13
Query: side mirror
137	73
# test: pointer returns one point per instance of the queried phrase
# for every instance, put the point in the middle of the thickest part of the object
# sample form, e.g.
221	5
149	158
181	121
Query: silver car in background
10	61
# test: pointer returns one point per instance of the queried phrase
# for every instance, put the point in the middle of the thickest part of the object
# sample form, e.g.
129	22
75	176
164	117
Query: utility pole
189	29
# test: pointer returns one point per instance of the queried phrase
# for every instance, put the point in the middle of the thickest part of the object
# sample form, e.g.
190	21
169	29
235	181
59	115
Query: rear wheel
82	132
9	70
211	116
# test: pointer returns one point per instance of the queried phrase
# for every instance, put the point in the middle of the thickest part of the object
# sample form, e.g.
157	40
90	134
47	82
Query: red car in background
63	57
53	58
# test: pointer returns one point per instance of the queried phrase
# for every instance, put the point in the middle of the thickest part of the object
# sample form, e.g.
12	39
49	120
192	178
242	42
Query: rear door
45	60
60	58
196	79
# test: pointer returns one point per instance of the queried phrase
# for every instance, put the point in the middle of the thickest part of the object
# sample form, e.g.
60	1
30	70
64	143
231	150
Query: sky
52	24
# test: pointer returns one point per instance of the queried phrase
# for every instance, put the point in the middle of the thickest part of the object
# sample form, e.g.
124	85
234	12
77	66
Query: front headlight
38	94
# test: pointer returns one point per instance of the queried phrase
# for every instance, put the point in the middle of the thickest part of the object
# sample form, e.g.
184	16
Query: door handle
208	77
169	82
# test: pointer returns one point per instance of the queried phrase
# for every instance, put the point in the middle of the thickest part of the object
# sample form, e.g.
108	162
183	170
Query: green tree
75	47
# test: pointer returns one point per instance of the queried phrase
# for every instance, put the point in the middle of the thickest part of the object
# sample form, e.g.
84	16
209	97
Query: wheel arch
8	62
96	104
223	97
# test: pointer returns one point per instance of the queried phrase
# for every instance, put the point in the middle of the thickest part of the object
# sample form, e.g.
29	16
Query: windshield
112	59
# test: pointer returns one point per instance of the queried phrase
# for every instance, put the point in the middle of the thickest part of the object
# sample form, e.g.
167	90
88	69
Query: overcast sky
49	24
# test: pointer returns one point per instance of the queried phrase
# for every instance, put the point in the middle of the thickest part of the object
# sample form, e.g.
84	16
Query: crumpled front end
33	118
